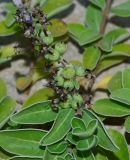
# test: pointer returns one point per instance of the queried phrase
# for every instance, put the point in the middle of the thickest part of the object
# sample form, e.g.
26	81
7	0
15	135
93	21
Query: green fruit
69	85
80	71
53	57
48	40
68	73
59	80
60	47
78	99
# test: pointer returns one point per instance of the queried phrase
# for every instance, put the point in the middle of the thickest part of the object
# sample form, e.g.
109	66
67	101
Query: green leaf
60	128
82	35
9	20
24	158
87	144
7	52
7	107
84	155
38	113
115	82
127	124
3	89
72	139
22	83
91	57
106	107
78	123
89	131
23	142
106	63
39	96
57	148
4	31
113	37
53	7
101	156
122	10
102	133
126	78
93	18
100	4
58	28
121	95
123	153
4	155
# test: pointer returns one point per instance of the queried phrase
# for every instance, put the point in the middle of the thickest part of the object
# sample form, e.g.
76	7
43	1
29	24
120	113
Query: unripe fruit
69	85
78	99
80	71
59	80
48	40
68	73
60	47
53	57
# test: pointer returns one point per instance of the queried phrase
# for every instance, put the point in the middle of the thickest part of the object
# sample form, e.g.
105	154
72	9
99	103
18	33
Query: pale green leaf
60	128
4	31
82	35
91	57
38	113
58	28
126	78
3	89
121	95
39	96
122	10
23	142
115	82
53	7
106	107
113	37
7	108
93	17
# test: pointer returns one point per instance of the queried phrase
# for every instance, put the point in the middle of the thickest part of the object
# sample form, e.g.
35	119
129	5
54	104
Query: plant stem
102	31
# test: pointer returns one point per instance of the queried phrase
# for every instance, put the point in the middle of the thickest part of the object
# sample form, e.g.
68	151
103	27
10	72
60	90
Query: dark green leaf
106	107
84	155
102	133
24	158
91	57
87	144
60	128
72	139
38	113
57	148
122	10
52	7
22	142
82	35
98	3
78	123
7	107
121	95
127	124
